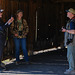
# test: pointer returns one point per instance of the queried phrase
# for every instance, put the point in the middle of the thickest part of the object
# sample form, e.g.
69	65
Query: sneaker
70	72
3	65
73	72
18	63
67	72
2	69
27	62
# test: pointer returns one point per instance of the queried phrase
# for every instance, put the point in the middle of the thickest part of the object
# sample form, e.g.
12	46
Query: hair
18	11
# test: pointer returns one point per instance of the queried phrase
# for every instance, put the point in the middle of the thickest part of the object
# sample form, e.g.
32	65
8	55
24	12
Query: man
70	41
3	26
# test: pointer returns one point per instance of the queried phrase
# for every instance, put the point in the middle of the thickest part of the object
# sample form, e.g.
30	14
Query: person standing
20	29
3	26
70	41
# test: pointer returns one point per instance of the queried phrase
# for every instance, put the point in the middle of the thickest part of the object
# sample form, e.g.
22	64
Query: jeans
71	57
22	42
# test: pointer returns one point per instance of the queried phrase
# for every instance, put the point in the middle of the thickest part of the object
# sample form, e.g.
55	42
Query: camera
62	29
20	33
69	41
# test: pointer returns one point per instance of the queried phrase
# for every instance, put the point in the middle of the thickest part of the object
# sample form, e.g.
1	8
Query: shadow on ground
49	63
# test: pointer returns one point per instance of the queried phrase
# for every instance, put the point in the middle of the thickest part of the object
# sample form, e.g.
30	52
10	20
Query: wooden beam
64	0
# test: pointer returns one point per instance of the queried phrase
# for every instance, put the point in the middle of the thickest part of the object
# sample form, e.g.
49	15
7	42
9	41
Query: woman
3	27
19	29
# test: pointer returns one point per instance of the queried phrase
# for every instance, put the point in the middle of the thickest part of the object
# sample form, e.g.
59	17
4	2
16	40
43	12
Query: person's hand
10	20
63	30
16	34
25	34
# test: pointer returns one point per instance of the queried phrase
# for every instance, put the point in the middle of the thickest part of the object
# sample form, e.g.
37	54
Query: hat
1	10
71	10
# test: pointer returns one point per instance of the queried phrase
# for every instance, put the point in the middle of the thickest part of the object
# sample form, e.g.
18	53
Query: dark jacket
3	26
70	38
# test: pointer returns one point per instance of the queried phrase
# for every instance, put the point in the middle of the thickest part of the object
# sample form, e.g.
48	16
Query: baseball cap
71	10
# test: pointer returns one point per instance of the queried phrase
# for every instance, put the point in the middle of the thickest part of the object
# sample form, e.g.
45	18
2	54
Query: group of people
19	30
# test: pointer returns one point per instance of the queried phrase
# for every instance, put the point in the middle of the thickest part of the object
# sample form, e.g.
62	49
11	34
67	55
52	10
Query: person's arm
26	28
72	28
12	30
68	31
71	31
9	21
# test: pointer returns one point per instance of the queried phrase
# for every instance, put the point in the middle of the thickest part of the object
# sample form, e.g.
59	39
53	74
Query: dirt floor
46	63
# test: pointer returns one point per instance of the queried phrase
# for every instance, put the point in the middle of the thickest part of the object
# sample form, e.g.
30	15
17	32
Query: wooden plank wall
11	6
29	7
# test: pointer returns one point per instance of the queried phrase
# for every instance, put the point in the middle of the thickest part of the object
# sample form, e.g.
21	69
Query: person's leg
70	57
71	60
73	54
17	46
2	41
23	45
1	50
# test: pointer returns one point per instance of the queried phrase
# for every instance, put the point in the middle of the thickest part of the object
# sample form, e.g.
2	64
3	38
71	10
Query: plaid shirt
14	28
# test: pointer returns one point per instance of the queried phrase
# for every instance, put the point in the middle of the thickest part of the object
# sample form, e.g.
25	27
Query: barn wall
51	16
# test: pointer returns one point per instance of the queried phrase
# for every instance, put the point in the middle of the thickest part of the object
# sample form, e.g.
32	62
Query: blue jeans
22	42
71	57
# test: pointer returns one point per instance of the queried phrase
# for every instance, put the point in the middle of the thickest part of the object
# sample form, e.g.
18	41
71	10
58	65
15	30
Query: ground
46	63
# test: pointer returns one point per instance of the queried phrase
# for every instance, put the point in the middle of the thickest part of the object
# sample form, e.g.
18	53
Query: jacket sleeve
12	29
6	25
25	28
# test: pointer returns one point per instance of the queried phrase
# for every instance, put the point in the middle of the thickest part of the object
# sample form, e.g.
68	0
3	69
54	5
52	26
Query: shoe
2	69
70	72
73	72
27	62
2	65
18	63
67	72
